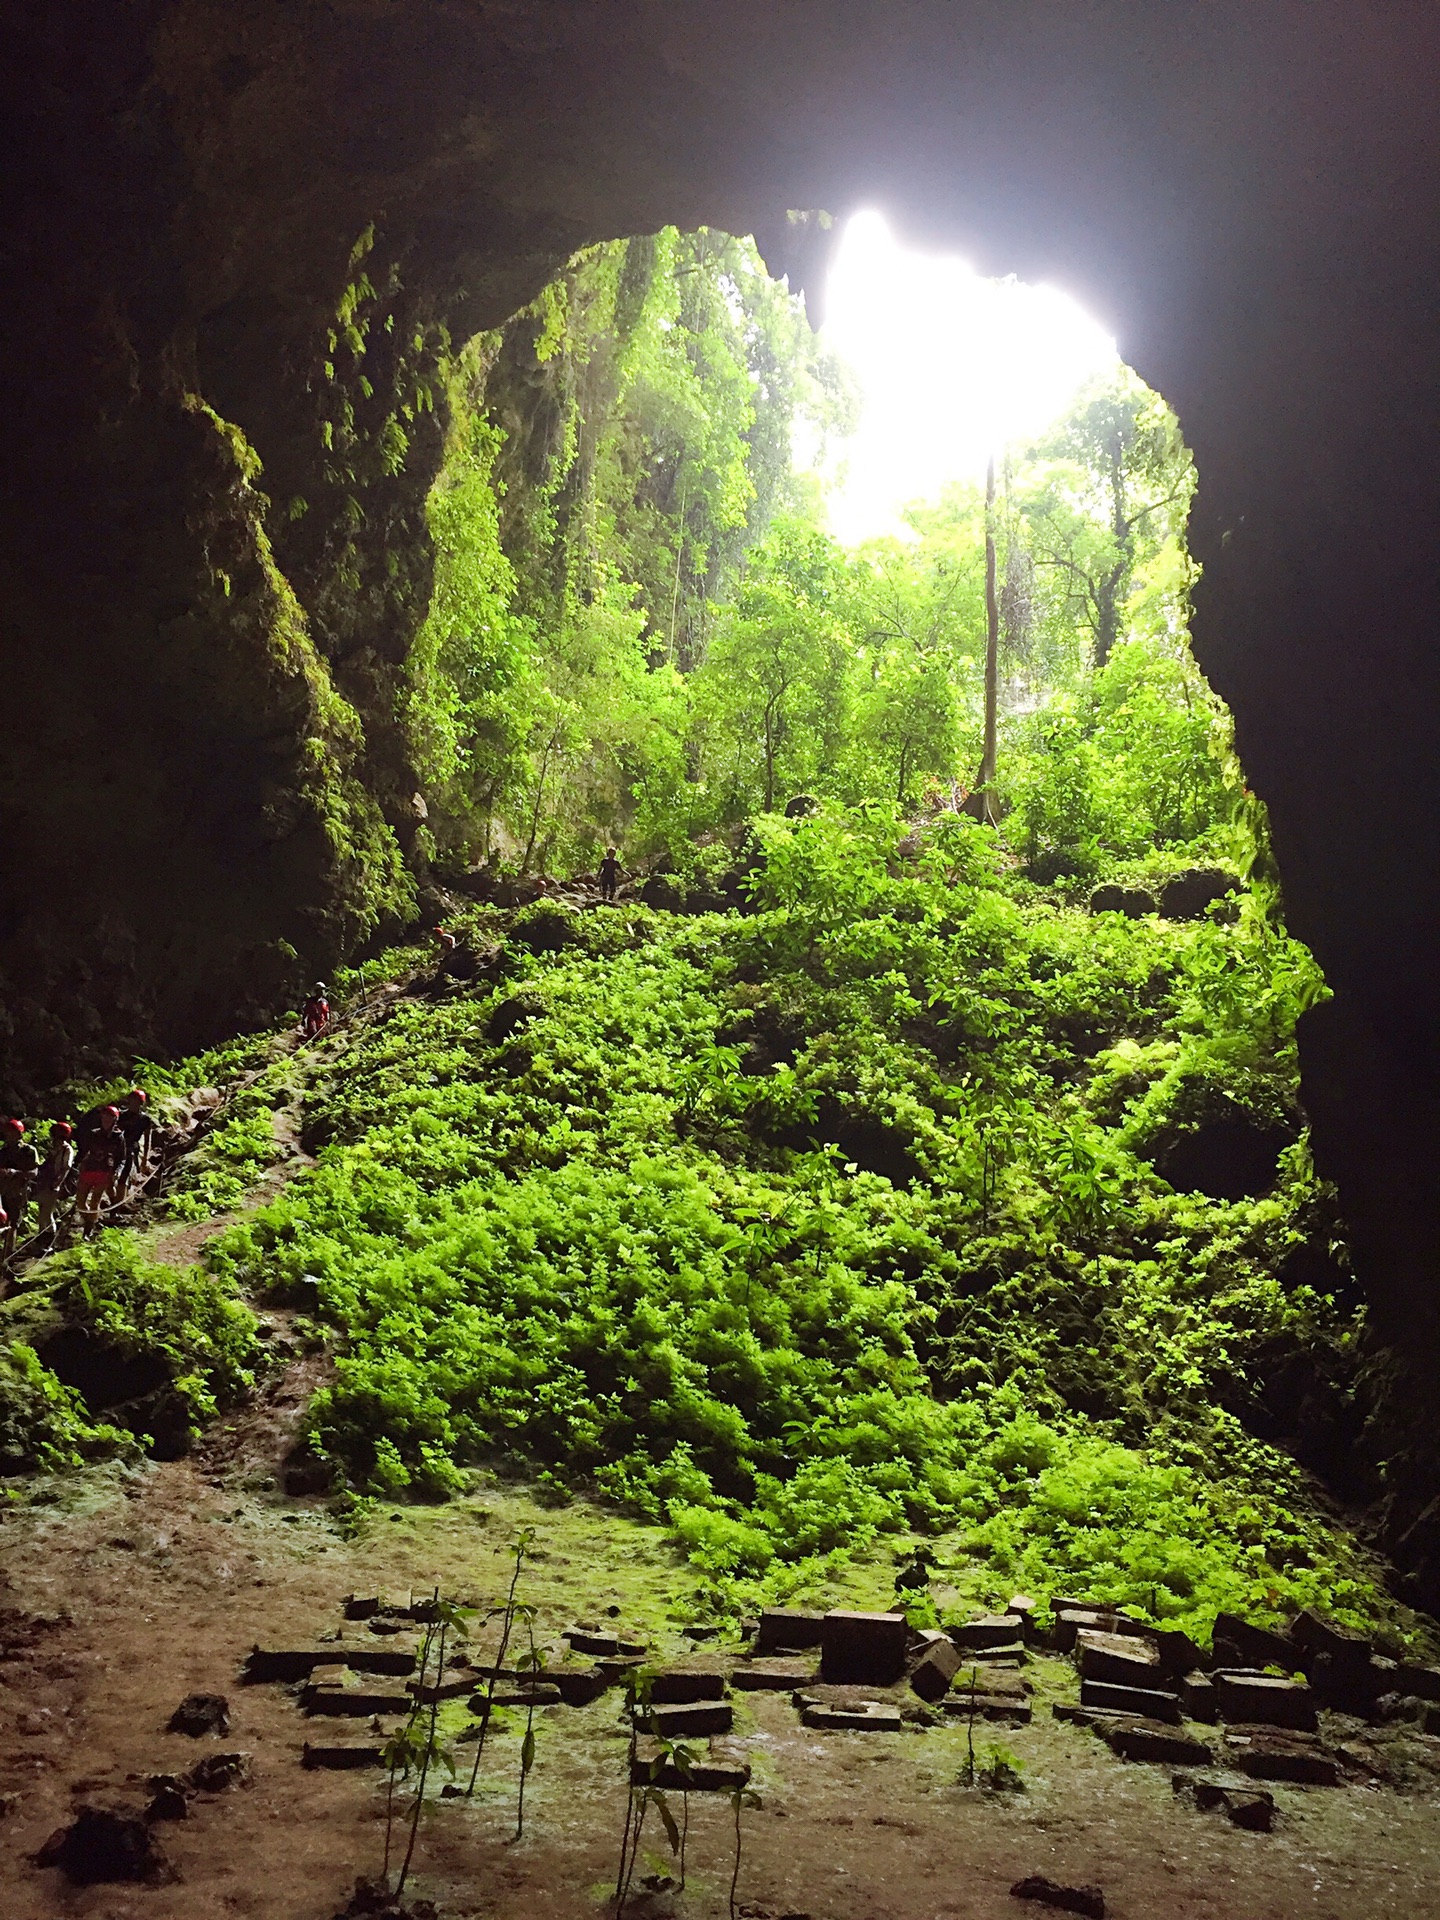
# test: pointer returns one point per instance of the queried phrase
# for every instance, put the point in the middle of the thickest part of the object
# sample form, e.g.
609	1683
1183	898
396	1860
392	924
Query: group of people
97	1160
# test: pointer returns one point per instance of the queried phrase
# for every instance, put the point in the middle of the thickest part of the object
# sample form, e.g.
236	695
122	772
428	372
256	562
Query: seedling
520	1547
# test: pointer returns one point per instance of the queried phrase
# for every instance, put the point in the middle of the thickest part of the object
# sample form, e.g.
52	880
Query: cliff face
214	550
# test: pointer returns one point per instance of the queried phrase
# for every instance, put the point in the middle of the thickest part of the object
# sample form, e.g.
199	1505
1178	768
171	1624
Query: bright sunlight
949	365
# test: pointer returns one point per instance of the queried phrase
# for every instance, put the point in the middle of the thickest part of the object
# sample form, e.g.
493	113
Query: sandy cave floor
150	1583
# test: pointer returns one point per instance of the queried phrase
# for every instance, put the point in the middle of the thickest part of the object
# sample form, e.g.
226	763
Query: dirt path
153	1584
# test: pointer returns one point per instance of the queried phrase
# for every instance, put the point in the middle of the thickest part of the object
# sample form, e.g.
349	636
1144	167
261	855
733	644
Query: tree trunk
986	782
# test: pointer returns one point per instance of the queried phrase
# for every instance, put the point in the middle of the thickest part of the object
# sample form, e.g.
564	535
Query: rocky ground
138	1587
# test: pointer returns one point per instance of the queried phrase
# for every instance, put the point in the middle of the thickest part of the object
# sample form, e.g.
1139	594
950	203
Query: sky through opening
949	365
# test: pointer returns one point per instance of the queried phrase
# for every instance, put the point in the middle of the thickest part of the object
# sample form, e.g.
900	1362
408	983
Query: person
101	1155
52	1182
316	1016
609	875
446	944
137	1127
19	1164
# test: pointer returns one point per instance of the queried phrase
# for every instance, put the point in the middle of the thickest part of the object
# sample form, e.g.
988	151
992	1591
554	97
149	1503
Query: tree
1113	485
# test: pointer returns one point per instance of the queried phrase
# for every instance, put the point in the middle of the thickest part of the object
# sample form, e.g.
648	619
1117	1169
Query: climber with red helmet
102	1154
315	1016
52	1183
19	1164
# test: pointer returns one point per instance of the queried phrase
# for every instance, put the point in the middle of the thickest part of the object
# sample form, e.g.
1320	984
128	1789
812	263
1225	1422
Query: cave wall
205	790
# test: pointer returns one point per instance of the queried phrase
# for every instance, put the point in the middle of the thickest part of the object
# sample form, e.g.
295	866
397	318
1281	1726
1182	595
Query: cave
207	794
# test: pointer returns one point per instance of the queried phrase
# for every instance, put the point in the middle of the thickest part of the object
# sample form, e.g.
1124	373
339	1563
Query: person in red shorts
316	1016
101	1157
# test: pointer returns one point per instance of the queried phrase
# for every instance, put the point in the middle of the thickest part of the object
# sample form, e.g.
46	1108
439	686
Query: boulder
866	1649
1187	895
1244	1806
217	1772
801	806
201	1713
1088	1900
102	1844
1133	902
1420	1681
1312	1635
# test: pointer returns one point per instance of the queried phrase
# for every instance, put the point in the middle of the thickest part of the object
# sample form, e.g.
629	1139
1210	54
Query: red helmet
15	1126
63	1126
114	1110
137	1093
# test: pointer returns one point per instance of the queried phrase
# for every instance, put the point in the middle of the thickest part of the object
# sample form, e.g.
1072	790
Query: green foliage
609	1247
44	1426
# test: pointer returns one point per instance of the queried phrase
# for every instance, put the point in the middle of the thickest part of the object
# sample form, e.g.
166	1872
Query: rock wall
206	791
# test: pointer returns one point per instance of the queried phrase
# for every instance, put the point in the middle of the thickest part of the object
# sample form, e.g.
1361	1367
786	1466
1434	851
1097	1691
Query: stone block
1265	1753
773	1676
351	1701
578	1685
991	1679
288	1663
1262	1699
862	1648
679	1722
1071	1621
361	1606
1116	1657
394	1661
718	1770
452	1686
1178	1652
934	1671
989	1630
1199	1697
1012	1708
678	1686
341	1756
1148	1703
1237	1643
1087	1900
1314	1635
1348	1687
788	1627
875	1719
592	1641
541	1694
1422	1683
1146	1739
